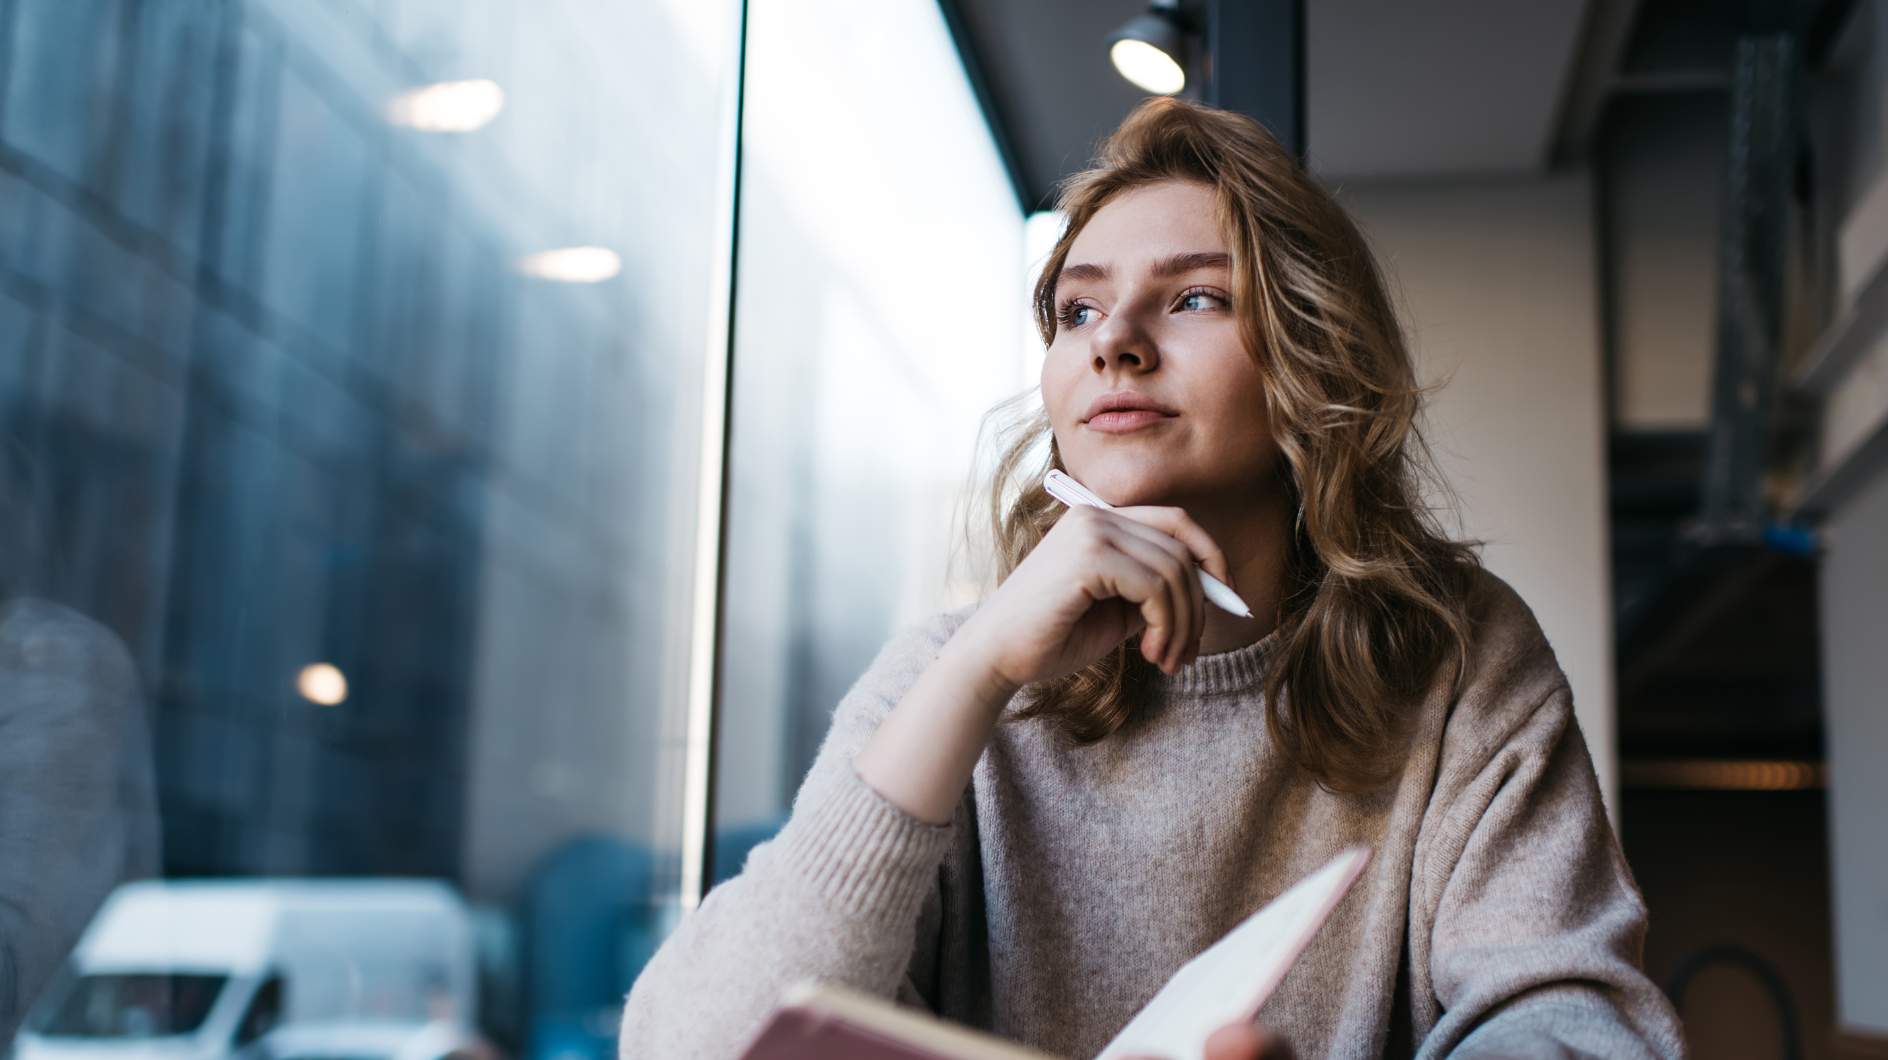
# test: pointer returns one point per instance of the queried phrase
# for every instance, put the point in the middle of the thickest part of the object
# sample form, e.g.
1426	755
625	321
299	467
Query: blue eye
1196	301
1075	314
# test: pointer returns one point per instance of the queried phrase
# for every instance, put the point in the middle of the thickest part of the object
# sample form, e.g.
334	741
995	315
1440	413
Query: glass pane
351	379
133	1006
880	295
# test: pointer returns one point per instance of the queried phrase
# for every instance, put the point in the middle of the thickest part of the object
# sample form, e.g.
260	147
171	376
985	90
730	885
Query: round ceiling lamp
448	106
322	683
1151	50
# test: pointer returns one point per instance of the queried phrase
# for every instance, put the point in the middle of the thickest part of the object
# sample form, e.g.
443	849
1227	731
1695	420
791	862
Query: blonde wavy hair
1375	600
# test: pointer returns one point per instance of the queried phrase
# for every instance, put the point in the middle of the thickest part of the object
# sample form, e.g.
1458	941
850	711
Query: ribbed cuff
860	852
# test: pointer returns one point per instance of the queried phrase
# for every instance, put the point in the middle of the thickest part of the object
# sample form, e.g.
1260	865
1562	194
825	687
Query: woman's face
1152	395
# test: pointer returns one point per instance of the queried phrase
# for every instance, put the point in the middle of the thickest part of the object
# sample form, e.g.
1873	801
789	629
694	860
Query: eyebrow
1177	265
1181	264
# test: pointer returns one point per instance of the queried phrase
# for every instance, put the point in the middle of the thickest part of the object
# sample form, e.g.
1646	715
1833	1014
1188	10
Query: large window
351	364
880	286
362	366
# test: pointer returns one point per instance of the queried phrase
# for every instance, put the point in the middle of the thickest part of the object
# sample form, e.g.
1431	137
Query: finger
1177	524
1181	614
1158	580
1183	625
1124	567
1193	593
1236	1041
1153	605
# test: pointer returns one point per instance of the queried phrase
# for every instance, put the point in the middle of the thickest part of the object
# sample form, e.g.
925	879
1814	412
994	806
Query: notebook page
1234	976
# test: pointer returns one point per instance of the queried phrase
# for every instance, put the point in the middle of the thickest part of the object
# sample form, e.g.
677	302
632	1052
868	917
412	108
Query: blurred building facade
276	395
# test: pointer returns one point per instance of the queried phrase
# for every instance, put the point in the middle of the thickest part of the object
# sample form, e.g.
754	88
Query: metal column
1255	63
1751	261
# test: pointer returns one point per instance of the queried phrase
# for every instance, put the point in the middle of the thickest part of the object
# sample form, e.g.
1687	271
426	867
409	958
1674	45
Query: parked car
295	970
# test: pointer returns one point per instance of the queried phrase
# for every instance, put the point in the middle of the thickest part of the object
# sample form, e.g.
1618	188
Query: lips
1120	411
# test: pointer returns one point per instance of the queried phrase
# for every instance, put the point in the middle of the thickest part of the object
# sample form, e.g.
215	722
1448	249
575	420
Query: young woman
1029	813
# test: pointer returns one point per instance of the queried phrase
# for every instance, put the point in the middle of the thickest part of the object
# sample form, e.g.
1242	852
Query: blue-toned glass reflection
351	366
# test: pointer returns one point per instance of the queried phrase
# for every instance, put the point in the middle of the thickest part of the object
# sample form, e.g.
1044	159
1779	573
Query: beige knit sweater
1497	917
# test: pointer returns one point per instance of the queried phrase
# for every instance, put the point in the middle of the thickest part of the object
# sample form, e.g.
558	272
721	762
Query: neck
1255	540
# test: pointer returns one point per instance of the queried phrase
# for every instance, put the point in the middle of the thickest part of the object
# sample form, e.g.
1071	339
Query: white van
271	969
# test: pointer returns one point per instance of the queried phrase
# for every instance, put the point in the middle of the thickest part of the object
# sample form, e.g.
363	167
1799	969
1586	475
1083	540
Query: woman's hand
1244	1041
1096	579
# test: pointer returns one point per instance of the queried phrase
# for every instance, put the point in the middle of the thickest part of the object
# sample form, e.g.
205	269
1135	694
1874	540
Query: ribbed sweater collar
1227	673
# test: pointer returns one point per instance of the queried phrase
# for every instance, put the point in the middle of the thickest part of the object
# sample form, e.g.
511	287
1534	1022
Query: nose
1123	343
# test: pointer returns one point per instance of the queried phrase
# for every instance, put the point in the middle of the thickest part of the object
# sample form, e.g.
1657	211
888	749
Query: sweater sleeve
834	898
1535	946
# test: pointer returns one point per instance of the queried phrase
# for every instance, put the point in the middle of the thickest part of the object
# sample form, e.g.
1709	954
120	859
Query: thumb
1235	1041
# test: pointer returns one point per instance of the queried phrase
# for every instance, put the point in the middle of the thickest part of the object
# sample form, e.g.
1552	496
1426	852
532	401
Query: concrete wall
1499	281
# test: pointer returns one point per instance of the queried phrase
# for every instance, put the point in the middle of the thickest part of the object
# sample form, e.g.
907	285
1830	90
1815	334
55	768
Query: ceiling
1402	89
1395	88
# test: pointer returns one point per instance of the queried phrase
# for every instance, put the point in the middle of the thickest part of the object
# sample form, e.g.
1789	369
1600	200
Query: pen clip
1071	492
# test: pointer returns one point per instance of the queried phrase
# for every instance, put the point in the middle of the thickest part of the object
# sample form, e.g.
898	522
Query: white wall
1855	704
1854	572
1498	279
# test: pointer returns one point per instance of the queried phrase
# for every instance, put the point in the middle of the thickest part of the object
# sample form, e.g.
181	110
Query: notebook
1226	983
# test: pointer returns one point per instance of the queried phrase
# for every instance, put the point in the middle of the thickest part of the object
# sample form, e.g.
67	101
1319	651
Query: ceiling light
449	106
572	264
1151	50
322	683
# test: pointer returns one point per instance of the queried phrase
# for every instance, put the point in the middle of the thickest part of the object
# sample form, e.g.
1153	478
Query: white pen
1072	493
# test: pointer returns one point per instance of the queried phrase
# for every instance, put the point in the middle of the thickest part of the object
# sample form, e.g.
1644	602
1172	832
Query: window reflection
382	542
449	106
133	1006
881	284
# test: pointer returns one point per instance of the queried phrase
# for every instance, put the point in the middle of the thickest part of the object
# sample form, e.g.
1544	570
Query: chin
1125	483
